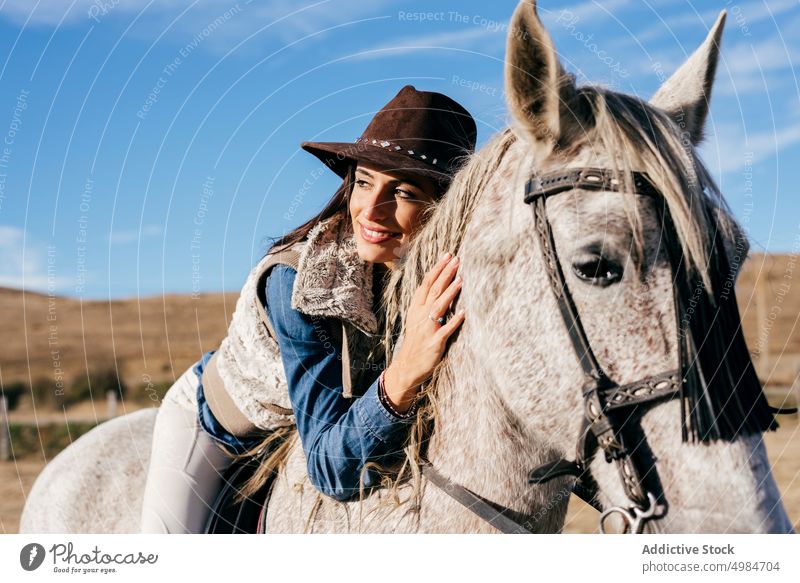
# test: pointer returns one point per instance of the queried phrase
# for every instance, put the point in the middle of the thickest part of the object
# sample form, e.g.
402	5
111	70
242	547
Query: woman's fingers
443	280
444	300
424	341
431	276
451	325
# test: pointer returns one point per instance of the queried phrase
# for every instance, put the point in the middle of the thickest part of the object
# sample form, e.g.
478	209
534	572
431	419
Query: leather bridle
608	407
610	410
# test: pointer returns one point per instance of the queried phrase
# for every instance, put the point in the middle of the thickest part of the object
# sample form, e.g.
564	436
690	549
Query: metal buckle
634	517
592	176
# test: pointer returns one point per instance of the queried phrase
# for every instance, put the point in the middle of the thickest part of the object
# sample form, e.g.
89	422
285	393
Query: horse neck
478	444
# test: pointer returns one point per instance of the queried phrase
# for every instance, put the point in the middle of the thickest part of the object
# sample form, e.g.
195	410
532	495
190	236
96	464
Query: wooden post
5	437
111	403
796	388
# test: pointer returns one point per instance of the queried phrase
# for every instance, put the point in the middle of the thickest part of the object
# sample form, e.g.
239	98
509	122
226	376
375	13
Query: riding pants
186	467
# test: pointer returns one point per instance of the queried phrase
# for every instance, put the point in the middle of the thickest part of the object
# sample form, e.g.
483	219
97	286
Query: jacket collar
332	279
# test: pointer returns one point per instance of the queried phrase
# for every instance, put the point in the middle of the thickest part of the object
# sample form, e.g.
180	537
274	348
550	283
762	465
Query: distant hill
153	339
157	338
768	292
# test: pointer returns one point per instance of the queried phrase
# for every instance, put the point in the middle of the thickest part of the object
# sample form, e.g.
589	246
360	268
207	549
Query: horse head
617	287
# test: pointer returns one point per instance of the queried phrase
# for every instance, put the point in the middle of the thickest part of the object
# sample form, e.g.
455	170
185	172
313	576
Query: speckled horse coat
507	392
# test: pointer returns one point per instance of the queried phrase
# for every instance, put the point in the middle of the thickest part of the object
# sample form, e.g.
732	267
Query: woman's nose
376	205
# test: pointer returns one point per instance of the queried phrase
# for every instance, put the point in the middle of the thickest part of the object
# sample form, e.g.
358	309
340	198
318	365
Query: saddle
230	516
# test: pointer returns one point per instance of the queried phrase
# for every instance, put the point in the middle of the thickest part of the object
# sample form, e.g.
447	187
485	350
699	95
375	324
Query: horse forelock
722	397
633	135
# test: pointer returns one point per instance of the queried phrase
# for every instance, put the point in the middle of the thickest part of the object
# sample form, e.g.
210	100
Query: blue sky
151	146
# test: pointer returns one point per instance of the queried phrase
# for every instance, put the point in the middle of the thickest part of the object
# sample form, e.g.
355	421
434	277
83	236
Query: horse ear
686	95
534	80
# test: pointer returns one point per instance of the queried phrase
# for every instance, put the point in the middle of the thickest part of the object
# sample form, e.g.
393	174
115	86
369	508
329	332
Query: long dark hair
339	203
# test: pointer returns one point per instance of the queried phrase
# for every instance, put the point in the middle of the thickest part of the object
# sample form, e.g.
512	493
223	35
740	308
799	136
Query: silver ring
441	321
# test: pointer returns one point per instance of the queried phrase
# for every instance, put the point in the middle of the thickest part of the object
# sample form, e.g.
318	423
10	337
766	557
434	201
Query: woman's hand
424	338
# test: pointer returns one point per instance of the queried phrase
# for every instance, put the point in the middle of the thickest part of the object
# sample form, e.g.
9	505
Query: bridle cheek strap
604	401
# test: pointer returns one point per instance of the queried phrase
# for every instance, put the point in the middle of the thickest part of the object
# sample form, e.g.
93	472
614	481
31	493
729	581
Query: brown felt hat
419	132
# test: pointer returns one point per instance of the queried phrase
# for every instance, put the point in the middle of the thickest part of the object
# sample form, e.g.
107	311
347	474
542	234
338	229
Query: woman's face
386	210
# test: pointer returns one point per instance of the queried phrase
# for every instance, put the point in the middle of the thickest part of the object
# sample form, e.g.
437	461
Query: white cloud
27	264
745	53
451	39
741	17
740	68
54	12
590	10
477	28
771	85
769	55
131	235
762	67
726	150
245	17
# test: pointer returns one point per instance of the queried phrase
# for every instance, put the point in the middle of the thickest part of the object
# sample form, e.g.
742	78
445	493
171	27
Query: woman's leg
186	467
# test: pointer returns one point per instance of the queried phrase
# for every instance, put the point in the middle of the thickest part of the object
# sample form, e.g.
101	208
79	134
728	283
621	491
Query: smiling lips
373	236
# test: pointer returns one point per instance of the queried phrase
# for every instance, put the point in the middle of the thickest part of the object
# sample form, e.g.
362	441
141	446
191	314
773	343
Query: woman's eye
405	194
597	271
362	183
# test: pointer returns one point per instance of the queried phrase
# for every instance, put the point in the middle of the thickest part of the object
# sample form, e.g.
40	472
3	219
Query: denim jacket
339	435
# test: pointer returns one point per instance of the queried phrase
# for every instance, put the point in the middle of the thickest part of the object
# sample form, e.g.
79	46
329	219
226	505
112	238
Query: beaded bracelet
384	398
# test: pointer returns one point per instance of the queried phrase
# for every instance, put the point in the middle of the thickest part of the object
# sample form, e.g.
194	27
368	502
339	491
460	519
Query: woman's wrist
400	392
388	405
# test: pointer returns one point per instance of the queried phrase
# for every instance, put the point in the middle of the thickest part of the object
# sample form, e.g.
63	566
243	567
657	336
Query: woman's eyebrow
402	180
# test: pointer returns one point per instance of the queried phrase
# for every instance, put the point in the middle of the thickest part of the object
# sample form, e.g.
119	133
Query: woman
304	344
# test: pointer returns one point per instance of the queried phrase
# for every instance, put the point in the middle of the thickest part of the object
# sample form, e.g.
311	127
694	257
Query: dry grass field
153	340
156	338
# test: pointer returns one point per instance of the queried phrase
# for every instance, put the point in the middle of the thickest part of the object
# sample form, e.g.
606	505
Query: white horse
507	396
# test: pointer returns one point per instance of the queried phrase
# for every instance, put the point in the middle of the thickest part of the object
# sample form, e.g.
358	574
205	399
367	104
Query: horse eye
597	271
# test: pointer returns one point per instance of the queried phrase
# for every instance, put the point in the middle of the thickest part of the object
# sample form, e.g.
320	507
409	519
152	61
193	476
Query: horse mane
642	137
720	401
442	231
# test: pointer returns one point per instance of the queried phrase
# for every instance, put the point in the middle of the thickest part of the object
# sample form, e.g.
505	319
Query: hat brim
339	155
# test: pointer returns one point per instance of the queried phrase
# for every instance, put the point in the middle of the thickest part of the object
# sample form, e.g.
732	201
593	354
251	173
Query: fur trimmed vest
244	382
